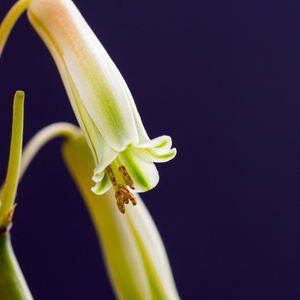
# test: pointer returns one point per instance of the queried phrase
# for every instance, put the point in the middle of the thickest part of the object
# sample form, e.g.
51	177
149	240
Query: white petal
103	152
140	168
143	137
159	145
103	186
159	149
105	101
162	157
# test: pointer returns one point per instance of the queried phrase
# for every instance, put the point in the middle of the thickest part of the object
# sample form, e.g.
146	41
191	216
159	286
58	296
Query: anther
111	175
120	202
123	196
121	180
126	177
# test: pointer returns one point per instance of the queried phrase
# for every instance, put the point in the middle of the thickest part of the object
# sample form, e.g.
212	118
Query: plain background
221	78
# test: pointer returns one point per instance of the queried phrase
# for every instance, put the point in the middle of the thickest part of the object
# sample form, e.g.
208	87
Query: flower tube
123	153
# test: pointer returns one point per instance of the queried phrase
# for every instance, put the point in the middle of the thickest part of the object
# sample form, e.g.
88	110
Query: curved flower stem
10	20
46	134
12	176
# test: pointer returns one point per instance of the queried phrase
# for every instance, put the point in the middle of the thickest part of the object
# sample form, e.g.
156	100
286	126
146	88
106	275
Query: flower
123	153
134	253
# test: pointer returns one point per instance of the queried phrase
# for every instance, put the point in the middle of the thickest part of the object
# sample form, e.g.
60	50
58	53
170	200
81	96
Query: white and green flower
123	153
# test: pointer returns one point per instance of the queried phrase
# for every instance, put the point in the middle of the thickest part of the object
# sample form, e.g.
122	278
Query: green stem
17	167
10	20
12	283
60	129
12	176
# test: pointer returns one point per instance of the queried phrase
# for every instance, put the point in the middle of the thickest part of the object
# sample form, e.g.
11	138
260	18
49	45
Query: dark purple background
223	80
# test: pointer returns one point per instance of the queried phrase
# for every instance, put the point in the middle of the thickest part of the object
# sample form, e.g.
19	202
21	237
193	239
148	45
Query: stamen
120	179
120	202
111	175
123	196
126	177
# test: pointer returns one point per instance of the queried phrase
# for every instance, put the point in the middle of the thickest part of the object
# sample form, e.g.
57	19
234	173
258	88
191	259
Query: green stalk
12	283
10	20
12	177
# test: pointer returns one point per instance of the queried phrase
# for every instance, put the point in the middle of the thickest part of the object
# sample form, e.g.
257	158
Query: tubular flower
123	153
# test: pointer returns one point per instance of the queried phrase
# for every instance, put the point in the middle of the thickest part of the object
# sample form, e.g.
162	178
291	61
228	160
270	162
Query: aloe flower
123	153
134	254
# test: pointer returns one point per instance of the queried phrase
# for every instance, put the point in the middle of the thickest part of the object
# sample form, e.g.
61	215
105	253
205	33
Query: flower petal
140	167
159	148
159	145
103	152
105	101
103	186
163	157
142	134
